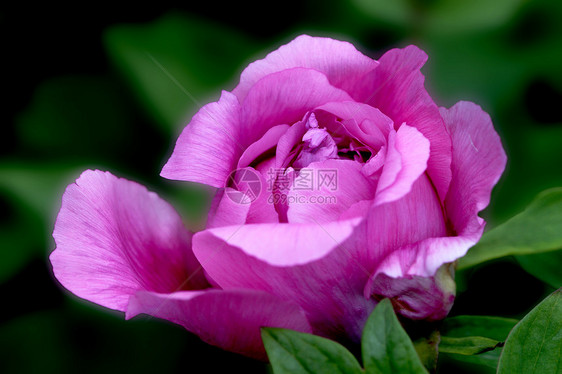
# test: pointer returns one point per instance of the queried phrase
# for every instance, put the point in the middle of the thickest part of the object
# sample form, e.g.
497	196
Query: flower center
317	145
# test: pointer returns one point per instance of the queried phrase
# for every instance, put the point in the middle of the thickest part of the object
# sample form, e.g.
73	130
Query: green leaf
496	328
470	345
535	344
427	350
544	266
176	62
537	229
292	352
465	328
486	362
385	346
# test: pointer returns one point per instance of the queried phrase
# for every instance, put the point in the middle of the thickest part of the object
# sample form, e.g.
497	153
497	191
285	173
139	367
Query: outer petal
391	226
306	264
478	162
339	61
396	87
209	146
284	98
276	244
406	159
228	319
115	238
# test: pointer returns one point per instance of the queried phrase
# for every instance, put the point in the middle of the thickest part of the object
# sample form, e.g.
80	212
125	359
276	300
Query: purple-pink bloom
411	180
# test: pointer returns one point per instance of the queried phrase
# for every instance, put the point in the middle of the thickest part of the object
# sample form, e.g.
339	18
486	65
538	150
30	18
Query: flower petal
278	245
416	297
396	87
306	264
229	319
365	123
266	142
478	162
208	148
225	211
391	226
405	160
229	209
114	238
338	60
287	142
262	209
284	98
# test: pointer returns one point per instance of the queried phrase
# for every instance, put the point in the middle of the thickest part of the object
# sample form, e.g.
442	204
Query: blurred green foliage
437	16
177	64
122	109
544	266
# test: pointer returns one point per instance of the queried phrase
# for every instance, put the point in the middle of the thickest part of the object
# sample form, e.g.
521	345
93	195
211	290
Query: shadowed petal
307	264
229	319
416	297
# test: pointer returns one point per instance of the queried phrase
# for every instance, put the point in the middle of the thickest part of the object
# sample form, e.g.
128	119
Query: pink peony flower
340	182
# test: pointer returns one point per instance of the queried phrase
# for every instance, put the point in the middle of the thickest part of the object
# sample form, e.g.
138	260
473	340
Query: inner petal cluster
317	145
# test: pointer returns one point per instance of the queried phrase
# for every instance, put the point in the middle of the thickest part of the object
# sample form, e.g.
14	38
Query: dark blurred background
111	88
